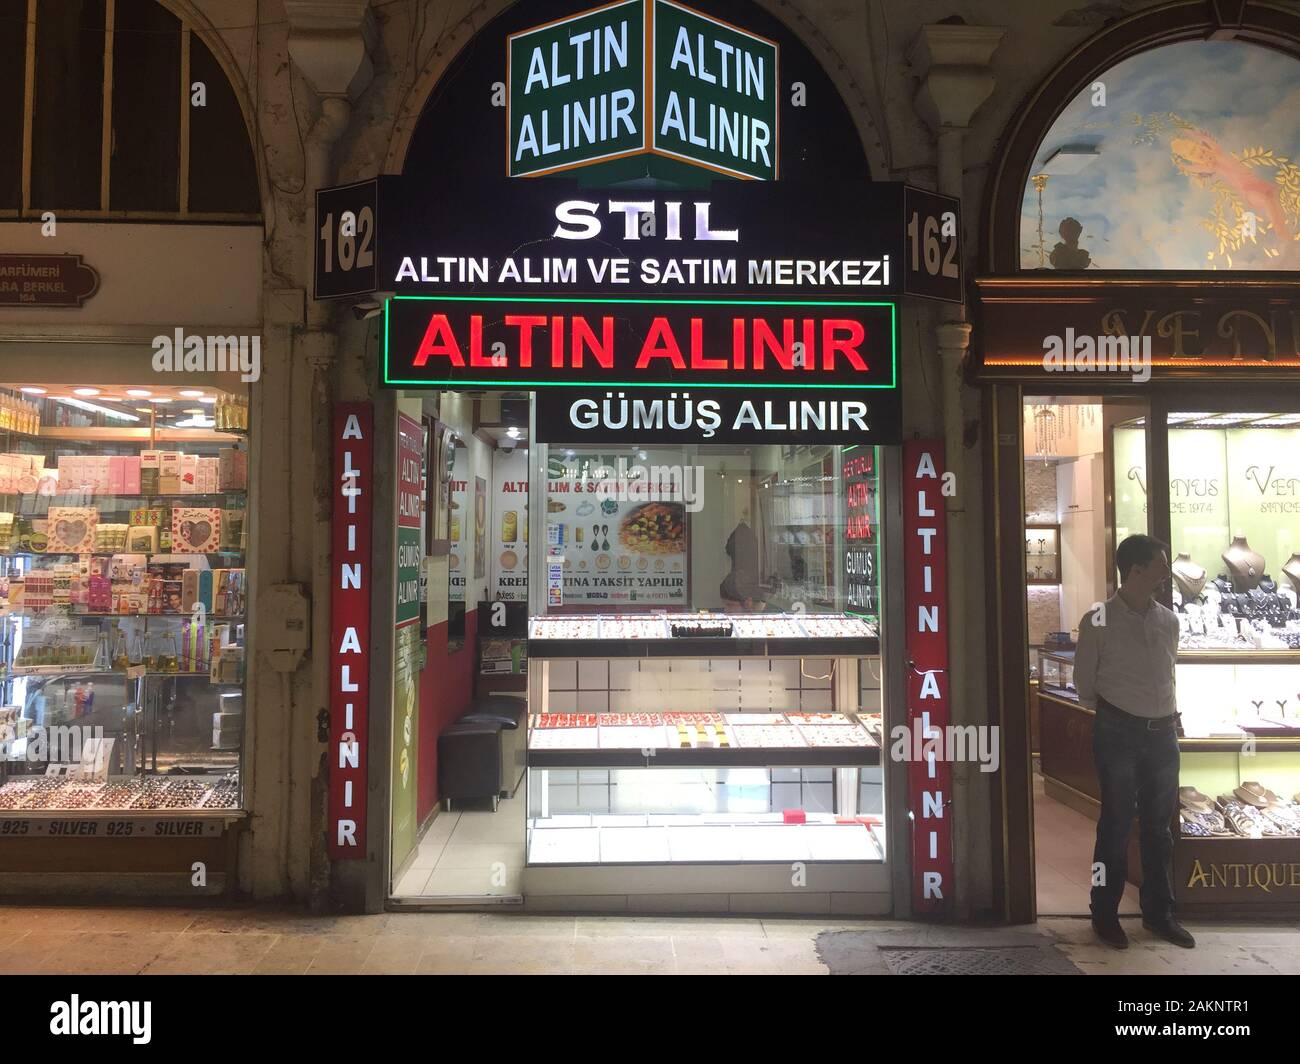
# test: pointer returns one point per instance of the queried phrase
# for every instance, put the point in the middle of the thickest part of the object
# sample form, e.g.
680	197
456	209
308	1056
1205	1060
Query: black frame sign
857	240
851	240
539	343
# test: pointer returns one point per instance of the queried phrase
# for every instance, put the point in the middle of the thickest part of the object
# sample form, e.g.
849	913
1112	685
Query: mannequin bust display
1188	576
1291	570
1245	566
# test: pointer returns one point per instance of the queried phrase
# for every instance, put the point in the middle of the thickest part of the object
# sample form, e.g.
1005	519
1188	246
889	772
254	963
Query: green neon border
533	385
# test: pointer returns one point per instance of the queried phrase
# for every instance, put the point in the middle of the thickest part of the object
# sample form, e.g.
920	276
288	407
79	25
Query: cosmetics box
149	471
142	539
233	470
195	530
131	475
189	473
117	474
232	530
71	529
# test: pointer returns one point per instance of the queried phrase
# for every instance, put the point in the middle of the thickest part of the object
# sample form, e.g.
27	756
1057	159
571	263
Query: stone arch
457	37
1253	21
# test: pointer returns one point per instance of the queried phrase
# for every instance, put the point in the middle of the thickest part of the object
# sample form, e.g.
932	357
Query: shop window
145	150
1184	157
223	176
13	51
167	151
68	115
122	598
759	530
710	680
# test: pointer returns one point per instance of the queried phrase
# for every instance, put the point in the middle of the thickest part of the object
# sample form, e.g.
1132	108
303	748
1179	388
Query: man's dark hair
1136	550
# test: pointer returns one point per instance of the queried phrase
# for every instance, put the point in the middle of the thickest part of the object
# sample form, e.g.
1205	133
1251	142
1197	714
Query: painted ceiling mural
1185	157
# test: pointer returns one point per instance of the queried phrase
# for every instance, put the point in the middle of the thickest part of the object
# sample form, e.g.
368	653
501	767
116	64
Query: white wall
157	275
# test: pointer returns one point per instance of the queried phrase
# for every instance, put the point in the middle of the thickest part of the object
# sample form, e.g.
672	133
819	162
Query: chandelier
1051	420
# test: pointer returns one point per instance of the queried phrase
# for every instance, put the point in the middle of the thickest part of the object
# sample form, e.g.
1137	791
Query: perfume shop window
123	591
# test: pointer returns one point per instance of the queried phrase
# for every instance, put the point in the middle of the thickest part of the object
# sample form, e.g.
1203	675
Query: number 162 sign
347	238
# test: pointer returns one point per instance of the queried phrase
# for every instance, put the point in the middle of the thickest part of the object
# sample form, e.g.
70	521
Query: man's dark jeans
1138	771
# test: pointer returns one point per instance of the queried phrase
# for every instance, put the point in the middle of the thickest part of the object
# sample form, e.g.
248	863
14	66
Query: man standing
1124	669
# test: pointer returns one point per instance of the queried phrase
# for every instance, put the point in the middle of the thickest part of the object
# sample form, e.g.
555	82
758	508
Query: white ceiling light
191	393
94	408
139	393
31	389
86	392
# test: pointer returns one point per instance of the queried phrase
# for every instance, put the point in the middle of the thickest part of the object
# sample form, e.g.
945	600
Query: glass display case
704	658
1056	674
1043	554
122	597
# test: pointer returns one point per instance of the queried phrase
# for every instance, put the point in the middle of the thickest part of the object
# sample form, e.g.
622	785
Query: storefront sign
580	89
350	629
537	343
855	240
1220	329
46	281
925	582
716	415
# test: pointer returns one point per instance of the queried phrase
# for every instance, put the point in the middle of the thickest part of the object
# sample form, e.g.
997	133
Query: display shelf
95	434
113	553
724	647
1238	657
711	757
1046	560
51	615
1232	745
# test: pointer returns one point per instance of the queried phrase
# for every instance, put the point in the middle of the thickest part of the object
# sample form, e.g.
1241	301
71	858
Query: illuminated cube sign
714	93
644	77
576	90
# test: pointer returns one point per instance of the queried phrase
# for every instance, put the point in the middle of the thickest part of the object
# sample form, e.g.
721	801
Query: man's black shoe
1109	931
1171	931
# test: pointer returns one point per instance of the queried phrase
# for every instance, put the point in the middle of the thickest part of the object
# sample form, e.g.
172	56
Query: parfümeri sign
642	77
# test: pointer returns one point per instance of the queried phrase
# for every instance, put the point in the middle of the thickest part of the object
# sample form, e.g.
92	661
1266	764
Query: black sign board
932	245
718	415
348	237
833	240
518	342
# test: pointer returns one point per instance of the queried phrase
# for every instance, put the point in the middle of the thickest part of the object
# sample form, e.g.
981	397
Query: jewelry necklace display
1291	570
1245	566
1189	577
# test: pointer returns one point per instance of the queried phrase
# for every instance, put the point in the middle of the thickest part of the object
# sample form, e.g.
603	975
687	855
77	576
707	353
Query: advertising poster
456	532
508	554
480	528
406	643
619	518
1264	493
1198	496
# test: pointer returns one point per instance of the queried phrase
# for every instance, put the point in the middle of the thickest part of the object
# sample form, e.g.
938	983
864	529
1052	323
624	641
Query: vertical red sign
925	592
350	629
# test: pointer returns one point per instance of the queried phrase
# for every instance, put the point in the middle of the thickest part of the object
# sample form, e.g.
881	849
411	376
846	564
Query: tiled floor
248	941
469	853
1063	841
